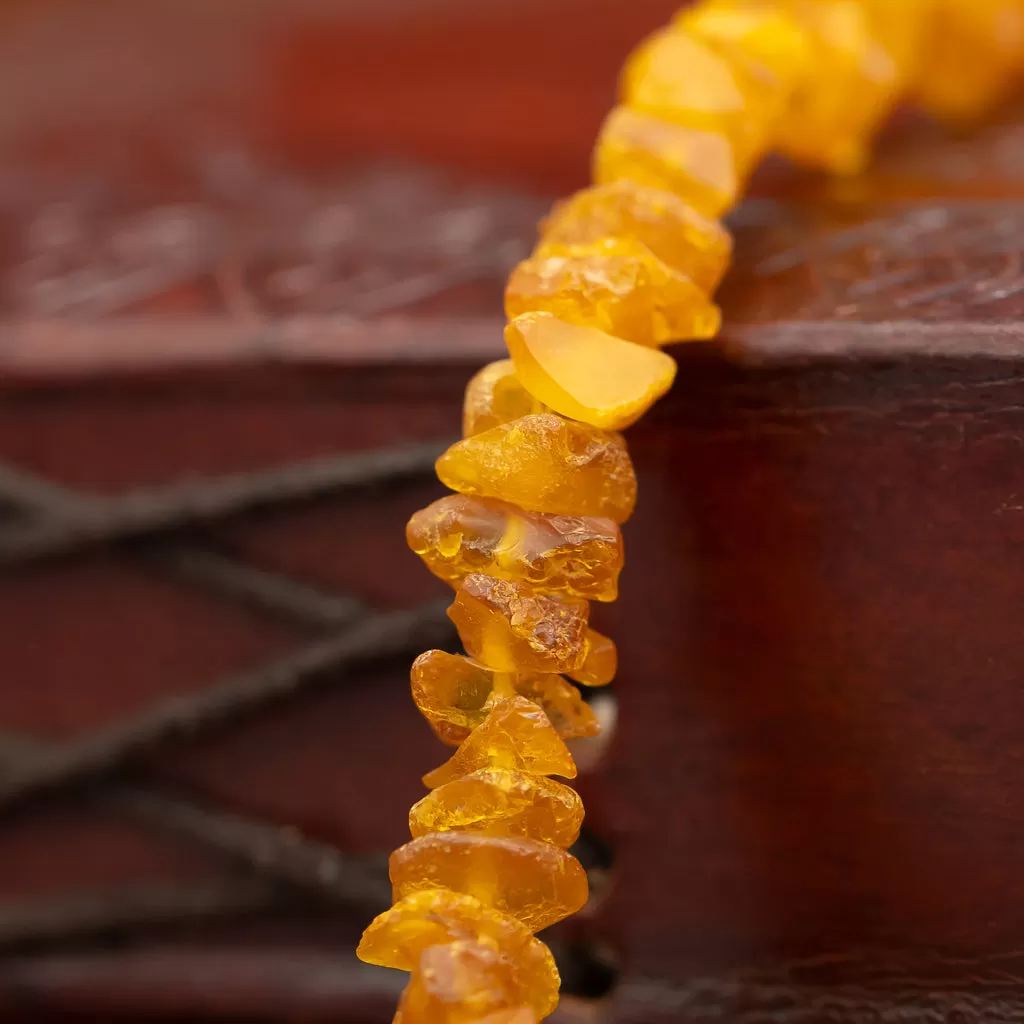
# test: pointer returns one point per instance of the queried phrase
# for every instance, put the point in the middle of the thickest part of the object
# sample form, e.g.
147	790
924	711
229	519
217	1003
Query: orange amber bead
433	917
586	374
544	463
617	285
456	695
517	735
580	556
535	882
601	663
509	627
690	243
697	165
501	802
495	396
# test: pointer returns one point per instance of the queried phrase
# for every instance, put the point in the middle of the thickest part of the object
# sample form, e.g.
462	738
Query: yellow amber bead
694	245
535	882
580	556
682	78
586	374
697	165
544	463
759	34
495	396
456	695
434	917
974	53
617	285
501	802
901	29
509	627
516	735
601	662
834	115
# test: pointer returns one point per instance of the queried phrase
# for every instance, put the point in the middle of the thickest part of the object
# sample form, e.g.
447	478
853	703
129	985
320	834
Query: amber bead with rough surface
516	734
501	802
586	374
509	627
456	695
432	917
601	662
535	882
495	396
544	463
617	285
580	556
697	165
682	78
690	243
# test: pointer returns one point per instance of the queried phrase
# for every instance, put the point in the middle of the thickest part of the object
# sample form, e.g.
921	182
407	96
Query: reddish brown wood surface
811	797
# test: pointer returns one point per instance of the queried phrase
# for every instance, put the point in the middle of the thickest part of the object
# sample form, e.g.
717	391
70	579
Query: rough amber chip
533	881
690	243
432	917
680	77
495	396
834	114
697	165
973	56
516	734
456	695
617	285
580	556
602	661
586	374
544	463
509	627
501	802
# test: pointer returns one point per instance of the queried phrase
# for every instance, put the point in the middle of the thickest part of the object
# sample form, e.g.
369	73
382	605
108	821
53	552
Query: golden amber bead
544	463
901	30
617	285
697	165
694	245
680	77
518	735
586	374
501	802
509	627
434	917
833	116
456	695
601	662
495	396
974	53
576	555
535	882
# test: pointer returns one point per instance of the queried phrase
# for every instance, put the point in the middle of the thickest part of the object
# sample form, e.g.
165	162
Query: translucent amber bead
433	917
580	556
501	802
601	663
680	77
833	116
696	165
586	374
535	882
495	396
509	627
517	735
456	695
544	463
690	243
974	53
616	285
901	29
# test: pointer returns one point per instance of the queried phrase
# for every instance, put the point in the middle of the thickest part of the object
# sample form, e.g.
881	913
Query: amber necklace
544	480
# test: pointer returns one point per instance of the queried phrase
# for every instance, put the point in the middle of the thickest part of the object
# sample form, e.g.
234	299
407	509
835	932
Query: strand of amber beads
543	479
